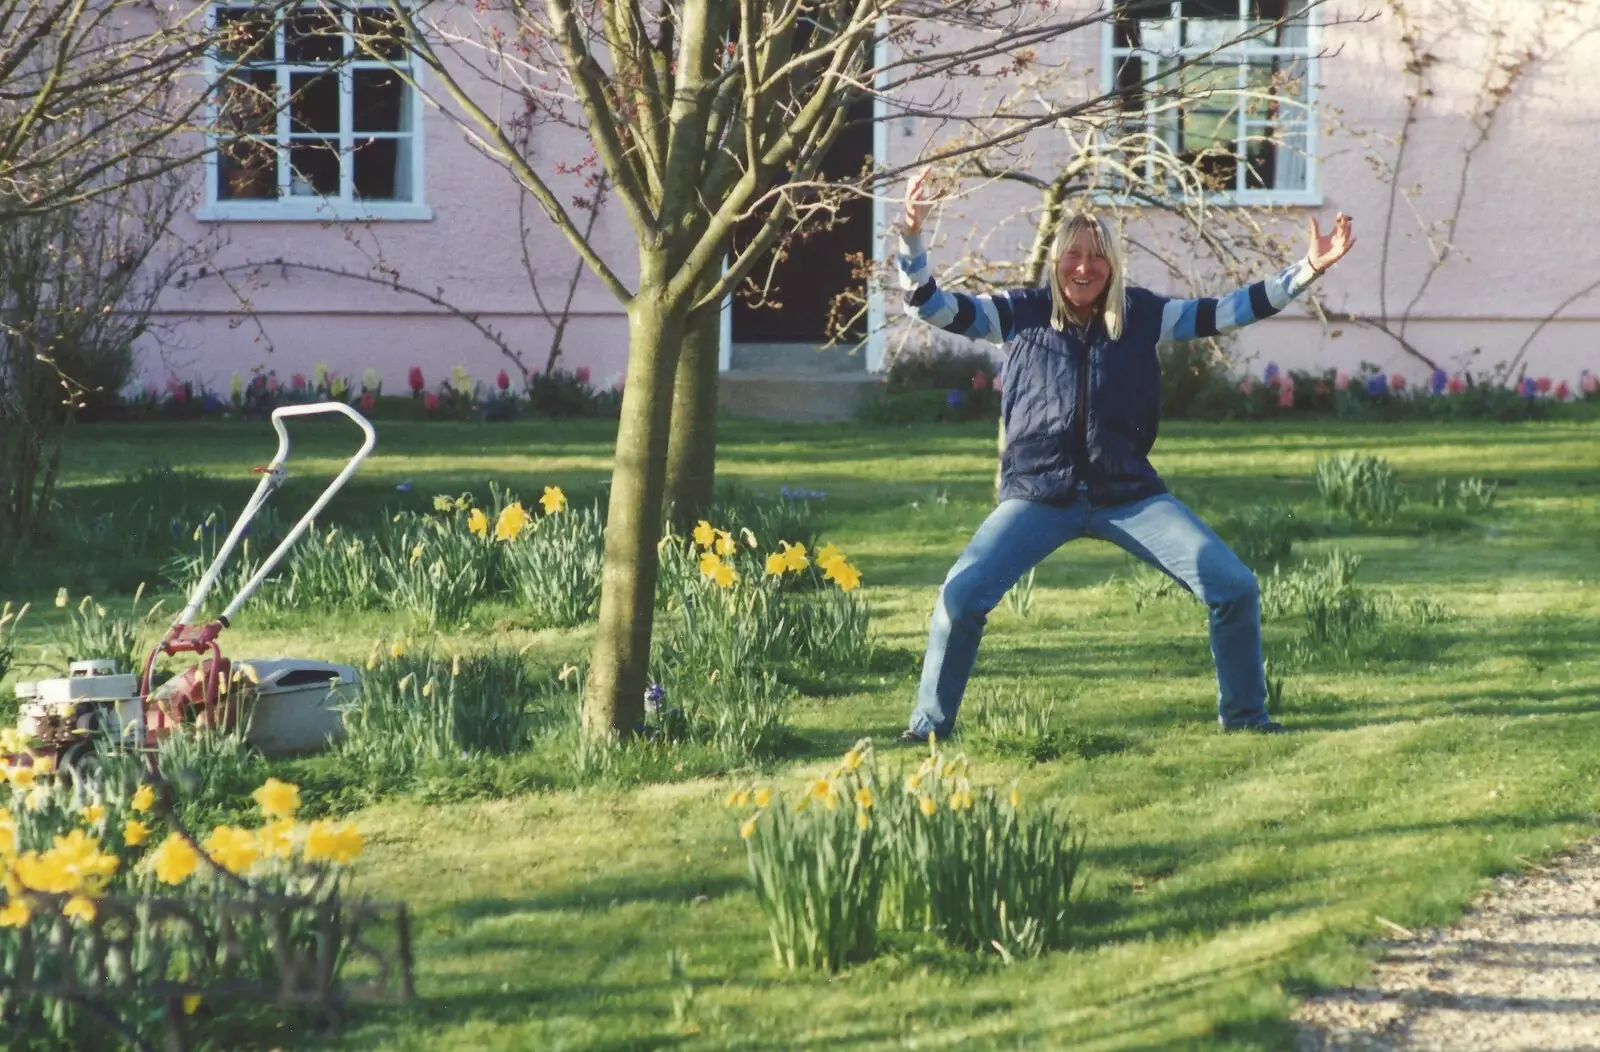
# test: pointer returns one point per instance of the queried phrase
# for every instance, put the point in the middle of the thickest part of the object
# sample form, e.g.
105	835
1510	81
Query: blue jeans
1018	535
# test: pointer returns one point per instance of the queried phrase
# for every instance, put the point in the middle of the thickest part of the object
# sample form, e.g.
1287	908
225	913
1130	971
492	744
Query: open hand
1326	251
919	200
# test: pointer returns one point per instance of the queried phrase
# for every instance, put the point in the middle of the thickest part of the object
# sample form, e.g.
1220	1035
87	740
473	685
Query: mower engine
56	714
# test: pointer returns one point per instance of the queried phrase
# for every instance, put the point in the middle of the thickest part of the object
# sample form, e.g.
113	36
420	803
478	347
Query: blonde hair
1113	301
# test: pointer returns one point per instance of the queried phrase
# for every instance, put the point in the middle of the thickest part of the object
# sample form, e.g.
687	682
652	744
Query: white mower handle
273	476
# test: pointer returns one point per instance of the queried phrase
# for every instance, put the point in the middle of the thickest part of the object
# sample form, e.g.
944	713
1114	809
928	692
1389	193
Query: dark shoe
1264	727
911	737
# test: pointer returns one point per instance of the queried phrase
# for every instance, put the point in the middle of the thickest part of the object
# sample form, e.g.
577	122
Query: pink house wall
1522	247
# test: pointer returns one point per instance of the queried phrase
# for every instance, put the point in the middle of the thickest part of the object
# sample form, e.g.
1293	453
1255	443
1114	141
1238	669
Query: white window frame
1311	194
346	207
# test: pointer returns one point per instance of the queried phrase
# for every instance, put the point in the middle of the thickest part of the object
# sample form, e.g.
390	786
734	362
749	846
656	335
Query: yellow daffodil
1016	798
397	651
22	777
134	832
416	555
763	797
327	842
443	503
276	839
61	593
8	835
864	797
848	577
863	823
235	850
961	797
175	860
191	1004
776	565
277	799
427	689
478	522
794	556
79	908
913	782
826	790
725	575
553	500
15	914
737	798
927	806
44	764
709	563
512	521
748	537
748	829
93	814
724	544
852	759
704	534
829	555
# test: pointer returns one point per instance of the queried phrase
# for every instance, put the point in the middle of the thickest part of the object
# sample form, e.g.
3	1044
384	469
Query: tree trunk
619	668
692	453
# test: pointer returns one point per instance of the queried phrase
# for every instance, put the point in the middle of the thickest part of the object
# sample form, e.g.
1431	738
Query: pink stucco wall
1523	243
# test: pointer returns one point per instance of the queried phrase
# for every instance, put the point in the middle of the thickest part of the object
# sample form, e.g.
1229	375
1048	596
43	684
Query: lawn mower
281	706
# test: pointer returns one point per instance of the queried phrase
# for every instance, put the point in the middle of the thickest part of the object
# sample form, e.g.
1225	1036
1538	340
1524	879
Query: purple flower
1271	372
404	487
653	698
1438	381
955	399
1528	387
1377	384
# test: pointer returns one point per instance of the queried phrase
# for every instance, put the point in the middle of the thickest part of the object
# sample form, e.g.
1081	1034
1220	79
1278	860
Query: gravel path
1521	971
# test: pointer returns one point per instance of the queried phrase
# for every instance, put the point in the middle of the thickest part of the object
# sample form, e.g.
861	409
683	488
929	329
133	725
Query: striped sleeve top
998	316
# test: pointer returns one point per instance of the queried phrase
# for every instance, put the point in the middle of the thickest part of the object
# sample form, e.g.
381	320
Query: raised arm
1198	318
988	316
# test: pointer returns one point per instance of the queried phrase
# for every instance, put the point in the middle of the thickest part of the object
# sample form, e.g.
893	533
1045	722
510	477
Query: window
1247	115
310	116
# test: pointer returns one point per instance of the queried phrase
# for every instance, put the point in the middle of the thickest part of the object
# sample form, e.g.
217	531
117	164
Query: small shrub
970	867
423	708
433	568
554	571
1262	536
1363	487
1015	721
334	570
1020	598
1149	586
93	633
818	867
1337	616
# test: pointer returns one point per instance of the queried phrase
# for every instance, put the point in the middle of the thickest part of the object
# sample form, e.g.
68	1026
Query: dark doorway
821	265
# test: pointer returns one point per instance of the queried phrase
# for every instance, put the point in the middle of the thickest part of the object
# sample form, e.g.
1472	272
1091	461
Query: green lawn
1227	874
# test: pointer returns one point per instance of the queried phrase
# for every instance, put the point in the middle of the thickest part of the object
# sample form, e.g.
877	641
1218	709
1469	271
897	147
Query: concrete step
796	397
796	358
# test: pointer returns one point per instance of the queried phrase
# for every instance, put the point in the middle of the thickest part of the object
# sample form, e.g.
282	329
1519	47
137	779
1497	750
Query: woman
1081	406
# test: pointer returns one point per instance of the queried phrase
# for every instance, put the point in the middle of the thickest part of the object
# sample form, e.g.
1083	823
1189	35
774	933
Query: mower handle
272	477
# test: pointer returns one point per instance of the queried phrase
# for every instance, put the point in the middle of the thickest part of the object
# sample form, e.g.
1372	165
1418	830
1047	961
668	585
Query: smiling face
1083	271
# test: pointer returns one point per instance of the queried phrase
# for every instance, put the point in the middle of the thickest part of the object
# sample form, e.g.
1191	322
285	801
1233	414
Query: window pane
247	102
244	34
383	169
379	34
247	170
313	36
314	168
379	101
314	103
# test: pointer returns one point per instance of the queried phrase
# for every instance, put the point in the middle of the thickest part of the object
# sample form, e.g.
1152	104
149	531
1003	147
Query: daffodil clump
921	851
716	549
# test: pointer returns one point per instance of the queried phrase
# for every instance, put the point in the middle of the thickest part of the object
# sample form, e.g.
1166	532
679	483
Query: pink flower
430	401
583	374
272	383
980	381
368	400
1563	392
1543	384
1588	382
502	381
1397	382
414	378
1285	396
180	394
298	381
1247	384
1341	380
1456	385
